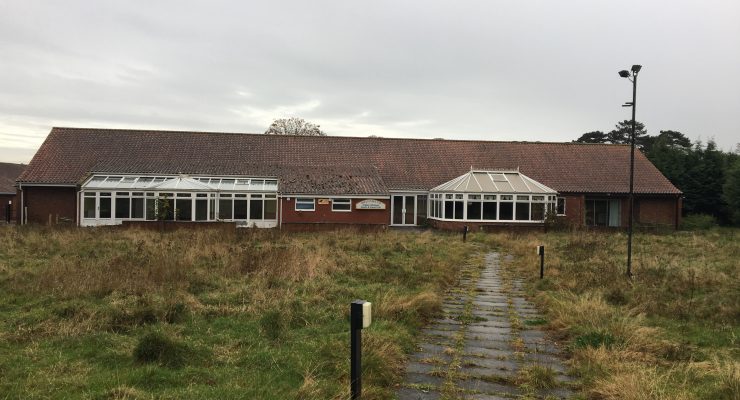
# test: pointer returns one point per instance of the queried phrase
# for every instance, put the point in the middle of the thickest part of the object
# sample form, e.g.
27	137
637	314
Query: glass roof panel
180	183
517	183
511	182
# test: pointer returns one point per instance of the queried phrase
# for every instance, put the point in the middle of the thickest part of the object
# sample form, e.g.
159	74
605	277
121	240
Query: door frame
404	196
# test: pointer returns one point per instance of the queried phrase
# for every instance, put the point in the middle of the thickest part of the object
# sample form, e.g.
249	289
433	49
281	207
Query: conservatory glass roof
494	182
181	182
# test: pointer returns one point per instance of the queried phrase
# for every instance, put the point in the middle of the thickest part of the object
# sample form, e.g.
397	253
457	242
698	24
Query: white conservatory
108	199
492	196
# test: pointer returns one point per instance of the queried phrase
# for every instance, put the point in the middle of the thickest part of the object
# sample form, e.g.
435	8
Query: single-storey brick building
9	172
95	177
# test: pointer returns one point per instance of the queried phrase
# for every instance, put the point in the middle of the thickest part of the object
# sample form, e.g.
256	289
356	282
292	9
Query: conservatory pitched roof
182	183
494	182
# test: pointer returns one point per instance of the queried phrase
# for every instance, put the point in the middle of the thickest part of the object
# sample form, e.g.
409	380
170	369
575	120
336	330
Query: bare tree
294	126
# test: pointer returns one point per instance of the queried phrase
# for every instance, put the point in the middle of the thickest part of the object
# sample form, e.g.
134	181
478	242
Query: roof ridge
369	138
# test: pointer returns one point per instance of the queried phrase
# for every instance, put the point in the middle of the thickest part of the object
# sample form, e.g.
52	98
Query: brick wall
657	211
50	203
324	215
574	209
485	226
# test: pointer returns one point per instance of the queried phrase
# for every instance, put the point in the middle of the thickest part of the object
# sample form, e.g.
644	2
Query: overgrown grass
114	314
669	333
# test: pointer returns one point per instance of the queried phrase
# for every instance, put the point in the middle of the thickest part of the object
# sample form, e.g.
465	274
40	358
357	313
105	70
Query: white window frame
343	202
557	199
305	200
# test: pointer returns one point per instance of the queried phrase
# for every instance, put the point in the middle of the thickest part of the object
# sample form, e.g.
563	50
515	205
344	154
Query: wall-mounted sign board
324	201
370	205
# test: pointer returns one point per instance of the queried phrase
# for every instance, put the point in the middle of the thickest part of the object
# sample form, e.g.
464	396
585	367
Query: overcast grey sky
494	70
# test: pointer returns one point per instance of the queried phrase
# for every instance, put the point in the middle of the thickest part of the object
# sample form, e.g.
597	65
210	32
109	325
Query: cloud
474	70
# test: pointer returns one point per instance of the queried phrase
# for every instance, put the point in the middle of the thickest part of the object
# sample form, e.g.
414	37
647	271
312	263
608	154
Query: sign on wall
324	201
370	205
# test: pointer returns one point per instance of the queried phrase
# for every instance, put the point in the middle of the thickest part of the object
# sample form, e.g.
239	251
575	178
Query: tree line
708	176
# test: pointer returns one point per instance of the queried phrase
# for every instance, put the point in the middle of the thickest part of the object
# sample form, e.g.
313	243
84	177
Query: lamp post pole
632	178
633	75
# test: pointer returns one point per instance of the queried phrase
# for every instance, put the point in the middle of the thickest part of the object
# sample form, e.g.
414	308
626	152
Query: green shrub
156	347
594	339
698	222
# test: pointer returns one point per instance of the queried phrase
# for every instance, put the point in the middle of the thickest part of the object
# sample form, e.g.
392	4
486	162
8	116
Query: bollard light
541	253
360	317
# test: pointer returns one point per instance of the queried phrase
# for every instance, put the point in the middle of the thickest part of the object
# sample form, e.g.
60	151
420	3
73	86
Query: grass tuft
156	347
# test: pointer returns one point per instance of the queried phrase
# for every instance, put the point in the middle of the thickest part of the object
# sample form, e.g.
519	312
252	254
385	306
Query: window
201	207
474	209
151	204
341	205
538	211
522	210
105	205
123	205
602	212
88	205
225	206
270	206
459	213
241	206
506	208
421	209
304	204
561	206
137	206
489	210
255	206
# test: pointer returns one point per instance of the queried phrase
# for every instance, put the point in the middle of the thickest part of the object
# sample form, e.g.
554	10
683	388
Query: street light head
636	69
624	73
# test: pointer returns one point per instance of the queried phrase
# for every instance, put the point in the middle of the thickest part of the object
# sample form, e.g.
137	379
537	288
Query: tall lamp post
632	76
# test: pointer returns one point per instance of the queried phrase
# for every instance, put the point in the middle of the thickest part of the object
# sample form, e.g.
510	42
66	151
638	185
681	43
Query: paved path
486	345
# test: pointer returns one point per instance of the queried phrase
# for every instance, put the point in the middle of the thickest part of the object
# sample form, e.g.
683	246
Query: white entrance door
403	209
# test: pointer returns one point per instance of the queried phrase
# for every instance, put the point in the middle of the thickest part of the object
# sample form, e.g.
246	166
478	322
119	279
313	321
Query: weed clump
594	339
156	347
272	325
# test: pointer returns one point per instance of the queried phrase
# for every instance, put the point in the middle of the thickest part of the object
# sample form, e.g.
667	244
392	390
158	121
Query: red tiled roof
8	174
69	154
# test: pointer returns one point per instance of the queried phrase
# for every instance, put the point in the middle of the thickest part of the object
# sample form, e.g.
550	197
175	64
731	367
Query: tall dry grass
651	337
280	298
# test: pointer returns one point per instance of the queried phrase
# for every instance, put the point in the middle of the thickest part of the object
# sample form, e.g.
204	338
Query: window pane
150	210
449	209
341	205
522	211
255	209
421	209
137	208
201	210
614	213
270	209
89	207
489	211
304	204
459	209
538	211
601	212
240	209
561	206
224	208
474	210
507	211
589	213
184	208
105	207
